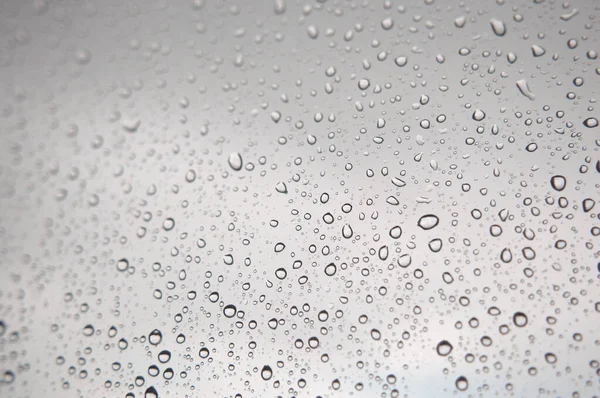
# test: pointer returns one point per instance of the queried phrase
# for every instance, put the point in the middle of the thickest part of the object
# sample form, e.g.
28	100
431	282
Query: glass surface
299	198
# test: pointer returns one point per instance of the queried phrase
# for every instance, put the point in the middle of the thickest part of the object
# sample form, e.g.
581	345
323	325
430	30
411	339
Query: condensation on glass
307	198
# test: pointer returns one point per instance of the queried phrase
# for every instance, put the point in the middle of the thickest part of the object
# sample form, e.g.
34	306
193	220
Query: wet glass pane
299	198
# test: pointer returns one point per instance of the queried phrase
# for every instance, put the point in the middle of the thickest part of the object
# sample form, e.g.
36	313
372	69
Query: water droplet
266	373
444	348
537	50
558	182
520	319
396	232
462	384
235	161
279	7
398	182
506	255
478	115
281	273
383	253
524	89
168	224
229	310
435	245
122	265
313	31
401	61
364	84
498	27
347	231
151	393
428	221
588	204
590	122
155	337
281	187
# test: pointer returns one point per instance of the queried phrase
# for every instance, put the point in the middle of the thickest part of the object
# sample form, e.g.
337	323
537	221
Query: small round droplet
428	221
387	23
435	245
558	182
229	311
462	384
312	31
281	273
155	337
168	224
444	348
396	232
266	373
331	269
478	115
88	330
532	147
520	319
506	255
401	61
122	265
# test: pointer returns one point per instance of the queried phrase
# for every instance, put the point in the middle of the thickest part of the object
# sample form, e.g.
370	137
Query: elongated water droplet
524	89
347	231
498	27
590	122
235	161
428	221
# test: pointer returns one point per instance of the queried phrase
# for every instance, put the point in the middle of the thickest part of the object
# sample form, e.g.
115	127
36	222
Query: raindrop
347	231
330	269
478	115
498	27
281	273
235	161
266	373
155	337
396	232
229	311
444	348
537	50
435	245
404	260
122	265
590	122
428	221
520	319
462	384
558	182
281	187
